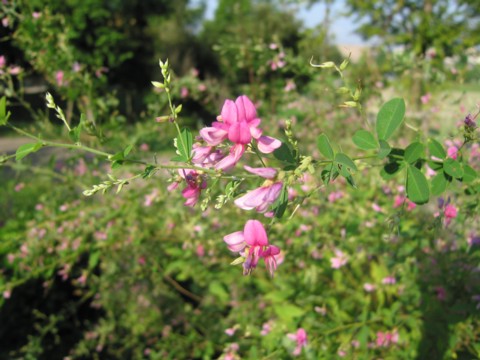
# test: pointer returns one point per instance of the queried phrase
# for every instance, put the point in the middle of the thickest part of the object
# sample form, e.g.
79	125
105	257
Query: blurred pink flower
3	61
15	70
195	184
184	92
301	339
19	187
339	260
36	15
7	294
389	280
369	287
441	293
334	196
290	85
5	22
76	67
230	331
426	98
385	339
450	211
452	152
59	78
202	87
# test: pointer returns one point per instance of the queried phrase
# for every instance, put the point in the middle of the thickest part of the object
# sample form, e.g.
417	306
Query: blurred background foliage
138	276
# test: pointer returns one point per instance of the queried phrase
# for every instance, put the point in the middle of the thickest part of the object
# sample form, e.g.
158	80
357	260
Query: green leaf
469	174
281	203
365	140
127	150
93	259
384	150
3	111
329	173
436	149
417	186
26	149
74	134
390	117
345	161
323	145
413	152
453	168
285	154
184	144
439	184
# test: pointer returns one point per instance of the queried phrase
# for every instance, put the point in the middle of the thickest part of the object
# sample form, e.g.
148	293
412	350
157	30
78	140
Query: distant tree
448	26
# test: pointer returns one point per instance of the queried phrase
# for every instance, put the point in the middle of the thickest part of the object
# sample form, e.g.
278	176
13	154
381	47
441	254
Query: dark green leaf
329	173
413	152
323	145
281	203
384	150
436	149
365	140
435	165
453	168
439	184
391	169
26	149
417	186
285	154
390	117
345	161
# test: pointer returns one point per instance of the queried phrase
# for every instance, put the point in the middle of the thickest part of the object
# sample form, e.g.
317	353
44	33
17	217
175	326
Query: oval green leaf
365	140
413	152
436	149
324	147
345	161
439	184
26	149
417	186
390	117
453	168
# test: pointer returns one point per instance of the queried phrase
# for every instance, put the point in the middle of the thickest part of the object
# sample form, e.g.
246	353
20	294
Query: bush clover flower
301	339
252	244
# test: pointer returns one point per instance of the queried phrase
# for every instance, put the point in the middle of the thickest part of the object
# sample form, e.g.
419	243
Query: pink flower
389	280
339	260
195	185
5	22
184	92
76	67
3	62
202	87
334	196
377	208
426	98
399	200
450	211
15	70
369	287
261	198
252	244
230	331
238	123
290	86
385	339
36	15
19	187
59	78
452	152
7	294
301	338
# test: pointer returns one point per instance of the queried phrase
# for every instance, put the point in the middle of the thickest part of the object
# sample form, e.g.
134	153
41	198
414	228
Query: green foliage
389	118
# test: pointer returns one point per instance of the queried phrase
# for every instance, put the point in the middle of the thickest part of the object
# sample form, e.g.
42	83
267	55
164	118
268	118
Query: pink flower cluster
385	339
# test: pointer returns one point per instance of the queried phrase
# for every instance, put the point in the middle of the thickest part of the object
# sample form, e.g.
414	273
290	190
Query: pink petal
229	161
190	192
252	199
267	173
267	144
255	132
274	192
235	241
229	112
213	136
255	234
246	109
239	133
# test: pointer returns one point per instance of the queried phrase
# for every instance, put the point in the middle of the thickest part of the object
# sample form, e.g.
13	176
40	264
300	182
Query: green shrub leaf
390	117
417	186
436	149
26	149
324	147
453	168
365	140
413	152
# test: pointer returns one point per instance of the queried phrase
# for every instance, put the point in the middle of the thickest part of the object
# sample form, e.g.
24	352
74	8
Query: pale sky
342	27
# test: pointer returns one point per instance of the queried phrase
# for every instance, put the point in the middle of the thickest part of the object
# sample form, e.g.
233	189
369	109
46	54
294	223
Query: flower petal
267	144
252	199
267	173
229	161
213	136
229	112
246	109
255	234
239	133
235	241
